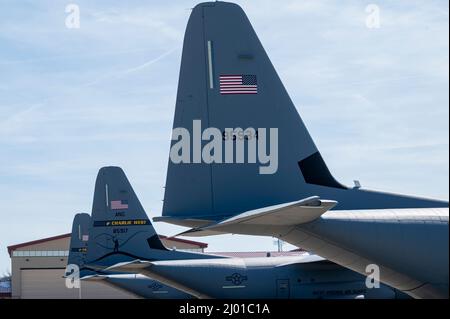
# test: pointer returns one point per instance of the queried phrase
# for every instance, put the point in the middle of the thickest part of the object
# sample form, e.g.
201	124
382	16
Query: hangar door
49	284
45	283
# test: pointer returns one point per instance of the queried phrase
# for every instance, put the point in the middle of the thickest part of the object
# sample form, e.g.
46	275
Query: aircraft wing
267	218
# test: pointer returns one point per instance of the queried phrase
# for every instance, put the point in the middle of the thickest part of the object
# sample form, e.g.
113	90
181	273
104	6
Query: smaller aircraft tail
78	244
121	230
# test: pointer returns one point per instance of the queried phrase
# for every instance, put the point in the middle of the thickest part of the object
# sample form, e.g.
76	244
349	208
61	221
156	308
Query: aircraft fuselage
266	278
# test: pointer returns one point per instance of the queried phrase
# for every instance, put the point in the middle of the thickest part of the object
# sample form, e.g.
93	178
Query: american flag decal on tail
238	84
119	204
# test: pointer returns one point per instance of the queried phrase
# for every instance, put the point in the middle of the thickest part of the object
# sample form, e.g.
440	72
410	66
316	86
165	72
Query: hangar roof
43	240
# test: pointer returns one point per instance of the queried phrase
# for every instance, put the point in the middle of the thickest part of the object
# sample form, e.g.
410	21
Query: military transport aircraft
227	82
122	238
136	284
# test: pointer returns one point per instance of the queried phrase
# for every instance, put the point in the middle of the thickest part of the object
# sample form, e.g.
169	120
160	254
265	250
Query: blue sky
74	100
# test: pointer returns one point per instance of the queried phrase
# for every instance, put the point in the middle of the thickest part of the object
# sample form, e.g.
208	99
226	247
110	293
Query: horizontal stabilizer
259	221
186	222
146	268
130	266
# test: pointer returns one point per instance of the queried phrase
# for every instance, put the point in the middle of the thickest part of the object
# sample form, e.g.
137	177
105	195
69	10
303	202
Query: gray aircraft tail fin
79	242
121	230
227	81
